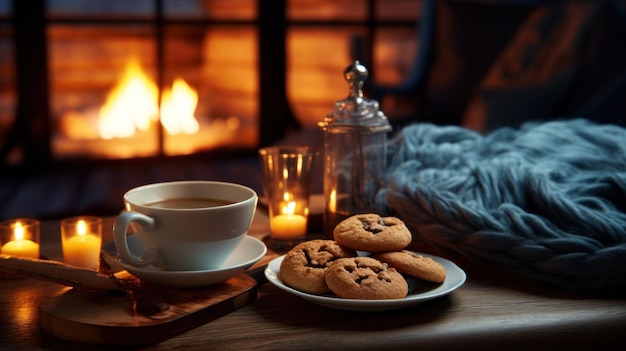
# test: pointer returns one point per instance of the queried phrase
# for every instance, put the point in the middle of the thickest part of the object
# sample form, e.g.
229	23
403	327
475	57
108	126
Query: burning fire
178	107
132	105
122	127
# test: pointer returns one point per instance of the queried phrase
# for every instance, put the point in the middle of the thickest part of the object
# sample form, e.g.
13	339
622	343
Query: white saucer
247	253
418	291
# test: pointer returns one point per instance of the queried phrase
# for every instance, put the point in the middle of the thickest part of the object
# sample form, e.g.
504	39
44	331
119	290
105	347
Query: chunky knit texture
547	199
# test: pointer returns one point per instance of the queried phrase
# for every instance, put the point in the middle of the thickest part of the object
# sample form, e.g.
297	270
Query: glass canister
355	137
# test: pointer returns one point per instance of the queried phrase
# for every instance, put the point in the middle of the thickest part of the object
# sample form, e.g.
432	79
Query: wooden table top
492	310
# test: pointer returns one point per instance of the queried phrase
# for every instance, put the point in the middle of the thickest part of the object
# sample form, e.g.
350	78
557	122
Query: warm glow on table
19	246
82	249
288	225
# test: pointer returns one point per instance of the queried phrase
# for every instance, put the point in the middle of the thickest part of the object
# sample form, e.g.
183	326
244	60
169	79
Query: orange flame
132	105
177	109
18	231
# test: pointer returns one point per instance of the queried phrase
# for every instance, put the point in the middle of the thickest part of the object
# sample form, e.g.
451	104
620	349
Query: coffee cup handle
120	228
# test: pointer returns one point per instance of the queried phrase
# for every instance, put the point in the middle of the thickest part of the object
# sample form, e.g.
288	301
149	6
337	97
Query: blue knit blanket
547	200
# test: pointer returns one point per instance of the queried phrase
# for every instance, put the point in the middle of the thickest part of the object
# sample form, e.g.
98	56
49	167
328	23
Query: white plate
247	253
418	291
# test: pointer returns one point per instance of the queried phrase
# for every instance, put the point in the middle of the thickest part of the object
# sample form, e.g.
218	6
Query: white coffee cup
186	225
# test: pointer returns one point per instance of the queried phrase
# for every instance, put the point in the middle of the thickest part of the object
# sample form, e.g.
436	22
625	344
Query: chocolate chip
373	227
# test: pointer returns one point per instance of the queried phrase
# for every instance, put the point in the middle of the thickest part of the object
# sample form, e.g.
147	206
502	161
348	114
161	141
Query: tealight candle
288	225
287	187
82	239
20	237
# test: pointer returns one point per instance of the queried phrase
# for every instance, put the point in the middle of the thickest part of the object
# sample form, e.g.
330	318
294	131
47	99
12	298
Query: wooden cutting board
145	316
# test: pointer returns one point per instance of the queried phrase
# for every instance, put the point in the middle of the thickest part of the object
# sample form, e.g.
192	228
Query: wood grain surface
141	316
494	310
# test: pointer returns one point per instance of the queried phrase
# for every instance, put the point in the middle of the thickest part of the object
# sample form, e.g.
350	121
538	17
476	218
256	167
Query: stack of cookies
333	266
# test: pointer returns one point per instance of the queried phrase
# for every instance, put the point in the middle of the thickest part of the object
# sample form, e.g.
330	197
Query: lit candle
288	225
20	246
332	201
82	249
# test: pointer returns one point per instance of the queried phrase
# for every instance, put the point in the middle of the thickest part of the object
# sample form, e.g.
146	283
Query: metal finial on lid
355	106
356	74
355	113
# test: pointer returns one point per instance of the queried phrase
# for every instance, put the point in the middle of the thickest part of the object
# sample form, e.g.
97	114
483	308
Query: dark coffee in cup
188	203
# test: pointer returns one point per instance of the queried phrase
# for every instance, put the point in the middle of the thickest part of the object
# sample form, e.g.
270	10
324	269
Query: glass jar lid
355	113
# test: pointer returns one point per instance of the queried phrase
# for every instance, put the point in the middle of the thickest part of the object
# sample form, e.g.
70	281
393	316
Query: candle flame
290	208
299	164
81	227
18	231
332	201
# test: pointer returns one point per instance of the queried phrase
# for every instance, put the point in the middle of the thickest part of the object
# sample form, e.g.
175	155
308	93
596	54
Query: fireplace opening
120	111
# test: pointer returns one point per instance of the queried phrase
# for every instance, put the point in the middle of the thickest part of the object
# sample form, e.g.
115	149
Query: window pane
326	10
317	58
213	9
100	8
86	64
398	10
395	50
221	67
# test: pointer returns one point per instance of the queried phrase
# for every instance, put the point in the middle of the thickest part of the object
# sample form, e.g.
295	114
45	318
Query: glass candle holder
81	238
287	188
20	237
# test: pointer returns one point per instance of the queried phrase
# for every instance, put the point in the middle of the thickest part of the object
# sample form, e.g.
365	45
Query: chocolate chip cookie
304	266
414	265
365	278
373	233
